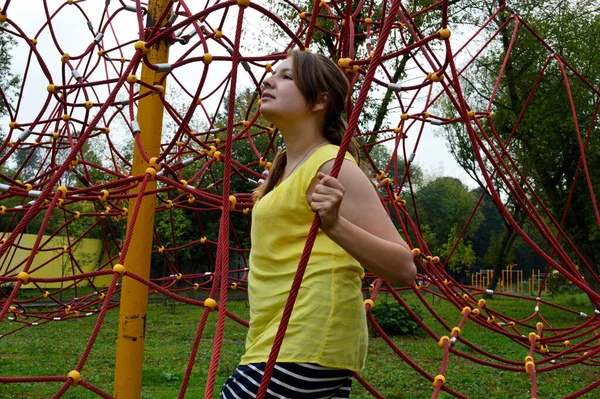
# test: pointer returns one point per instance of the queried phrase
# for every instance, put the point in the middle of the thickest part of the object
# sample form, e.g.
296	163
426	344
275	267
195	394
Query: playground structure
116	86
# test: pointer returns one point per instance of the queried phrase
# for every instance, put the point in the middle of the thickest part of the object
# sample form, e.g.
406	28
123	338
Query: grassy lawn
55	348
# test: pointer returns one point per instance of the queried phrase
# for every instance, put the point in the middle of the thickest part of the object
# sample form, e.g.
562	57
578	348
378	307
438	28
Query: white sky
74	37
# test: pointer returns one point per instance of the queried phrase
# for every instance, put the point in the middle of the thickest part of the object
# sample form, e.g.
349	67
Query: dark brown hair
314	74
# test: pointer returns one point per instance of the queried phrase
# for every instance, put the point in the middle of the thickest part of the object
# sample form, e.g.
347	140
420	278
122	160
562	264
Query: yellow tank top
328	325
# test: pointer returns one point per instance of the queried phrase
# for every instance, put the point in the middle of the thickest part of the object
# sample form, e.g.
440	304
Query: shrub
395	320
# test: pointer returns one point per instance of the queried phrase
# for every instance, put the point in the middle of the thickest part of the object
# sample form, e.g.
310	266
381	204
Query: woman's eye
287	77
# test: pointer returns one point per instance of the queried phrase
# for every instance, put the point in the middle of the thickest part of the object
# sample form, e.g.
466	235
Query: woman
326	339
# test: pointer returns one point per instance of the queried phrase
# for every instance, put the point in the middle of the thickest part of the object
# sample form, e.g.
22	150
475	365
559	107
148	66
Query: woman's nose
267	82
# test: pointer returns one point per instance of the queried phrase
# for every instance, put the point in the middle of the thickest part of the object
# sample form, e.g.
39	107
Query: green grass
55	349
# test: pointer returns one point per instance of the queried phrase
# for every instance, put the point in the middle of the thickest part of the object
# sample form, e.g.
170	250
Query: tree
547	127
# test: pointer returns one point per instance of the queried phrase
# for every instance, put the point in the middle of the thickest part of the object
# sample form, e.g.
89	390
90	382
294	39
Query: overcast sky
74	37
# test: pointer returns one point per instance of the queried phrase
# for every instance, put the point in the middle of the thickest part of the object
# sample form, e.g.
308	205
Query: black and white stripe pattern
289	381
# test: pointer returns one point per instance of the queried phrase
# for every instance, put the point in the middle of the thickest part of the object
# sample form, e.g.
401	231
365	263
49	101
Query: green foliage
395	320
463	256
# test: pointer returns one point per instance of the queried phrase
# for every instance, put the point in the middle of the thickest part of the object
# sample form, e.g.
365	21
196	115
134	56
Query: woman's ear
322	102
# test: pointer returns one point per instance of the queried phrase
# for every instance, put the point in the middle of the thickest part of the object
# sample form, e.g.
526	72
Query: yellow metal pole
134	295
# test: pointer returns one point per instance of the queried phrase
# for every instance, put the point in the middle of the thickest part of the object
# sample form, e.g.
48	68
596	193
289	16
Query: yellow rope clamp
63	191
119	268
302	15
3	17
154	163
380	175
439	378
89	104
481	303
527	365
210	303
455	332
344	62
65	57
103	195
75	376
368	21
370	303
202	240
445	33
218	33
207	58
471	114
466	310
233	202
24	277
442	340
51	89
244	3
132	79
141	45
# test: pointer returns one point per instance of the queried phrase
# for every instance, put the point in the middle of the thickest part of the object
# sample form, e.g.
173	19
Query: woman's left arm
352	216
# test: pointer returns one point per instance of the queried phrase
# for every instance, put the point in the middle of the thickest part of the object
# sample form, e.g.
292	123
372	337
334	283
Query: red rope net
70	161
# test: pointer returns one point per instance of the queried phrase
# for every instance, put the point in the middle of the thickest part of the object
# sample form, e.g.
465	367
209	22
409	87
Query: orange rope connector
233	202
455	332
3	17
475	312
217	156
380	175
471	114
218	33
302	15
439	378
178	277
444	34
416	252
141	45
210	303
233	286
466	310
368	21
243	3
161	250
169	204
196	286
245	123
202	240
75	376
491	319
369	304
51	88
207	58
65	57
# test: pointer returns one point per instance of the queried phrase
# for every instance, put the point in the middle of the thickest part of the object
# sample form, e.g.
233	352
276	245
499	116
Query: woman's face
281	99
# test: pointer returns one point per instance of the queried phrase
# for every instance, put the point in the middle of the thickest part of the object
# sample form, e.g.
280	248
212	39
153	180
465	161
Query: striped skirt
289	381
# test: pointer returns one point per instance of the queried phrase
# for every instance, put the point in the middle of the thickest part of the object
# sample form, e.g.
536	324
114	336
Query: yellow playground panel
55	259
